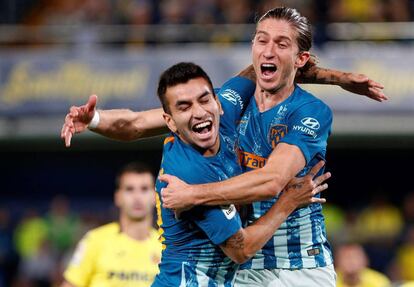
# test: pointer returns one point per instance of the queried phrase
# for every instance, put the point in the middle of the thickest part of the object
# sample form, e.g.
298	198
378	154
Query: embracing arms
261	184
247	241
255	185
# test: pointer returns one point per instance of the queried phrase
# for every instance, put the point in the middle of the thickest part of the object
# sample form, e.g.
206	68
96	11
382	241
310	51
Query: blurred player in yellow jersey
124	253
352	268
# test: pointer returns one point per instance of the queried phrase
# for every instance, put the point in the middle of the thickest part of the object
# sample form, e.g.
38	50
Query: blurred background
55	53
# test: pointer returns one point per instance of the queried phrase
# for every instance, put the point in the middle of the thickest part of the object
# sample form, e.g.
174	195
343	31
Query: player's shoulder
169	141
236	90
305	99
237	82
177	157
154	234
154	238
375	277
103	231
169	148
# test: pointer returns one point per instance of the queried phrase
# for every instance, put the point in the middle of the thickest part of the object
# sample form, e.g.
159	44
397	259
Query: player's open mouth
268	69
203	127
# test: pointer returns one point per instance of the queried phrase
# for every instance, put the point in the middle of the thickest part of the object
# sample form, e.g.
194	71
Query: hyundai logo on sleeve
311	123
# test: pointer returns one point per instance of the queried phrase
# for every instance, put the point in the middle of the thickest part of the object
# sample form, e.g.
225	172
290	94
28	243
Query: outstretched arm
311	73
127	125
120	124
246	242
355	83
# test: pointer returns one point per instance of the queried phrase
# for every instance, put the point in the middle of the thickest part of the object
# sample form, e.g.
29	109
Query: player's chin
205	143
268	85
137	215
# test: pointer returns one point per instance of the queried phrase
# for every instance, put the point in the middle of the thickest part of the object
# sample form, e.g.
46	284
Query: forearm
260	232
256	185
253	186
318	75
126	125
246	242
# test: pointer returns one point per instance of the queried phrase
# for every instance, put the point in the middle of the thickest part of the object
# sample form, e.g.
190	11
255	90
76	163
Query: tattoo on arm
316	75
236	241
297	185
319	75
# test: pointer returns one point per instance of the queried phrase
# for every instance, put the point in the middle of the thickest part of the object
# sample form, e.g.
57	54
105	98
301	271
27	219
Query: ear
170	122
302	58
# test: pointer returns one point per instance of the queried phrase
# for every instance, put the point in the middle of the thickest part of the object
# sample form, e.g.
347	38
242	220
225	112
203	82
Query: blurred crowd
383	232
36	245
144	12
373	241
153	22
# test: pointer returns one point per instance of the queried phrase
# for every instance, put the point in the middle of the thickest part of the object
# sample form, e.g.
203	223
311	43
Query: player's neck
266	100
138	230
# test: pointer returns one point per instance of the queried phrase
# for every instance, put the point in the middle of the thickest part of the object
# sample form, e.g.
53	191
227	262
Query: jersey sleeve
234	97
218	222
82	263
308	128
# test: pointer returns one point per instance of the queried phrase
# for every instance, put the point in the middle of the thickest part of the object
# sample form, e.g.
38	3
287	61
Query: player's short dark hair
132	167
180	73
297	21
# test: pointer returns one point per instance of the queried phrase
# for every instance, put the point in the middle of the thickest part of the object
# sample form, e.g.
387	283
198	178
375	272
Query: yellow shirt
106	257
369	278
405	259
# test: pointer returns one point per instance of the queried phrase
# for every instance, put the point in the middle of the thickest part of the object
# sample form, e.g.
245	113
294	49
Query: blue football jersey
191	256
304	121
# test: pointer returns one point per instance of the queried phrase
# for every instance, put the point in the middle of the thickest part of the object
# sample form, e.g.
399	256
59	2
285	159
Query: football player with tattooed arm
283	133
121	124
195	245
203	246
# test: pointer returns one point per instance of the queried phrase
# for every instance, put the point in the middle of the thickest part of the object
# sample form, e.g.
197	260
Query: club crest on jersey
276	133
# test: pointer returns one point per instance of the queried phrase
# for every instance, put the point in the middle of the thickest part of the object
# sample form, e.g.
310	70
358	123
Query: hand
77	120
362	85
177	195
302	190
